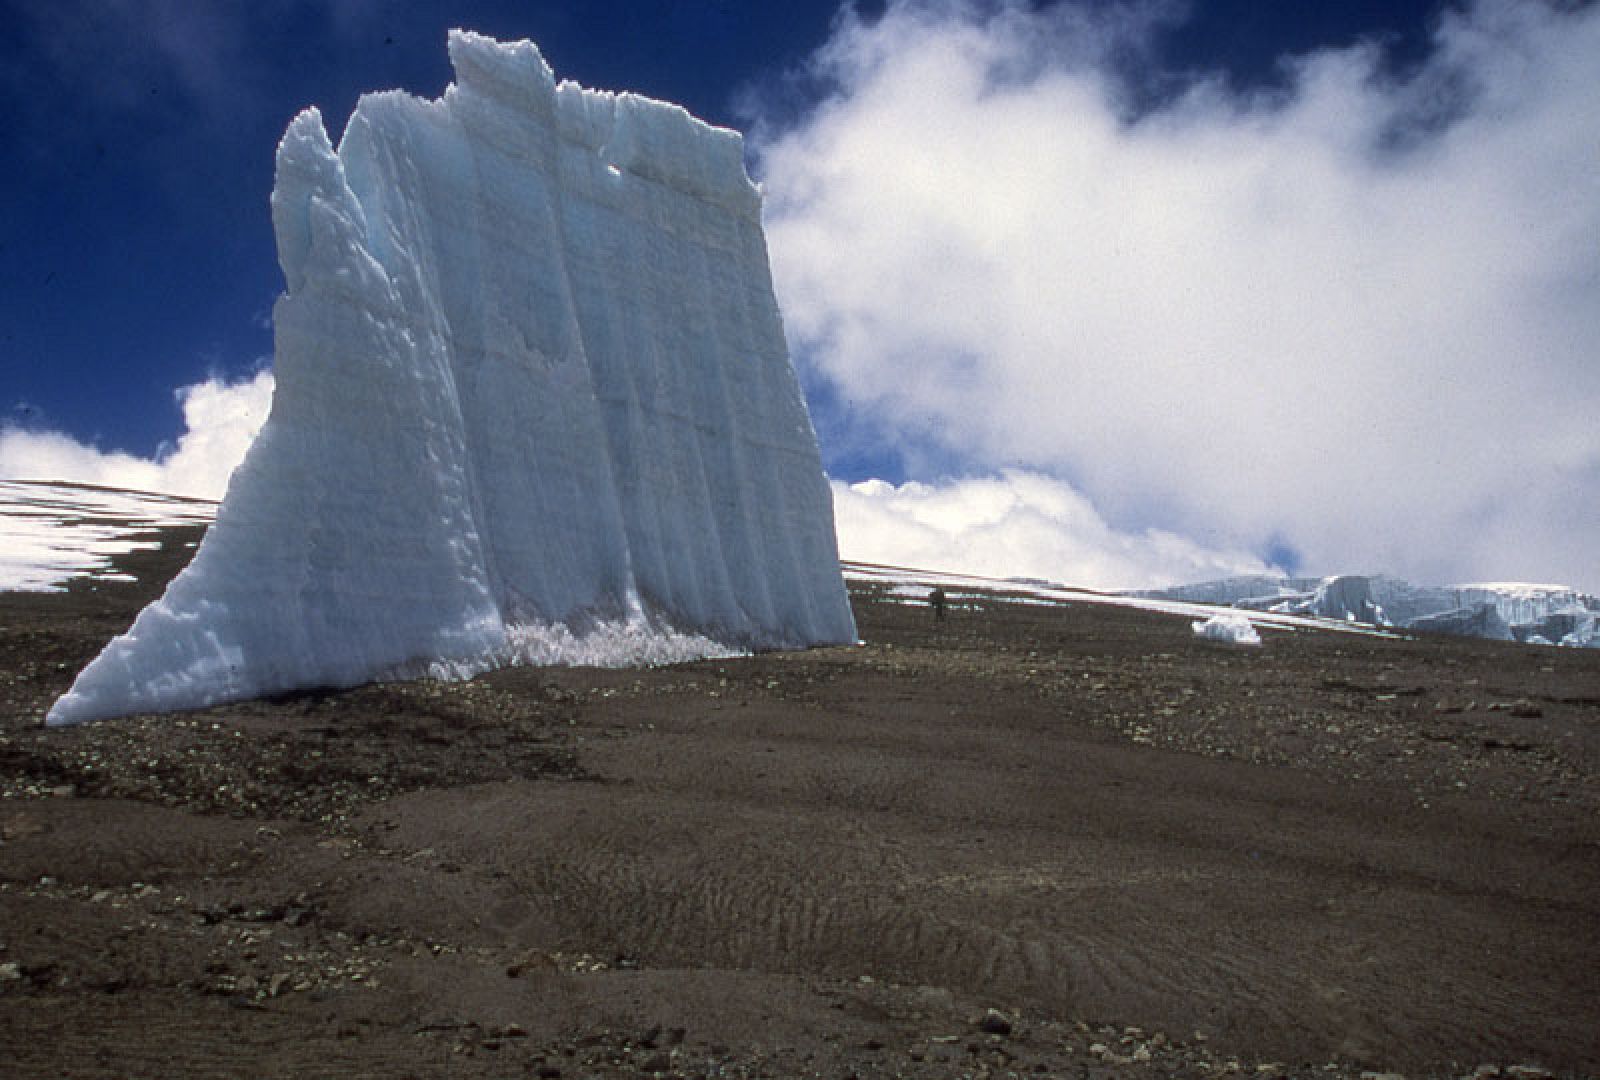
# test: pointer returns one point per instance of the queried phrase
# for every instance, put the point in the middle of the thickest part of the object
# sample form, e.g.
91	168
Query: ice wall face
533	404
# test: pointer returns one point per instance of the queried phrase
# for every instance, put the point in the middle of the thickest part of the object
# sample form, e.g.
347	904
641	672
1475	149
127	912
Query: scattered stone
10	971
657	1063
994	1022
1522	707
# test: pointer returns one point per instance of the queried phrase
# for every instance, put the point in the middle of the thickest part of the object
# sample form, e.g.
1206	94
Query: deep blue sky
136	250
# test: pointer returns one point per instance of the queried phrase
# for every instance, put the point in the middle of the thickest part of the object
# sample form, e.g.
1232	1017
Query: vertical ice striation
533	404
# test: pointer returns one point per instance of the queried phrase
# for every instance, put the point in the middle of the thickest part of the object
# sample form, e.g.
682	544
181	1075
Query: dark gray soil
1023	841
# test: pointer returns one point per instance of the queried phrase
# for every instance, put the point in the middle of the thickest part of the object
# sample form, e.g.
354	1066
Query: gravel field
1022	841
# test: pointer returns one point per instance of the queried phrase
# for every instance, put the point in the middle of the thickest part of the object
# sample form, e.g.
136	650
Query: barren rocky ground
1024	841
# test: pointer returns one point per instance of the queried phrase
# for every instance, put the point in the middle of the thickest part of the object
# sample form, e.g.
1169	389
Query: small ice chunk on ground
1231	629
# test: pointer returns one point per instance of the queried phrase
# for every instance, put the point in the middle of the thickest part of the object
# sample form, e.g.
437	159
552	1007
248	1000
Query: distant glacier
1533	614
533	404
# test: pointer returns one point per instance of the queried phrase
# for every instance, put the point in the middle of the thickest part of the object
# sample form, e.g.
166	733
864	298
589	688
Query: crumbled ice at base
632	641
1232	629
533	404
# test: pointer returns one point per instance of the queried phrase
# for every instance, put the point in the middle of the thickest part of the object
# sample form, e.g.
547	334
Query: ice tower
533	405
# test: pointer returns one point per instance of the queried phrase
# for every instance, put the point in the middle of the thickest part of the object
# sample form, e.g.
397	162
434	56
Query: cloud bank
221	419
1013	525
1355	318
1019	524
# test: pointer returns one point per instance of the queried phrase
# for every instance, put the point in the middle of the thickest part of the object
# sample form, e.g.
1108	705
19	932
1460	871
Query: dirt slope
1023	841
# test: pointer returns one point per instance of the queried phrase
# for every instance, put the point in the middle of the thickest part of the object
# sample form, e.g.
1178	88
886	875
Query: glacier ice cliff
533	404
1532	614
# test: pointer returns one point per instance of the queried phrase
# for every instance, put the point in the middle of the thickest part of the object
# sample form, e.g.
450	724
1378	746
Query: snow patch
894	579
52	533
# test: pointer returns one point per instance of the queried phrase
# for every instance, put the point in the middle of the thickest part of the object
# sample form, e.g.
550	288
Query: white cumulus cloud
1019	524
1358	315
221	419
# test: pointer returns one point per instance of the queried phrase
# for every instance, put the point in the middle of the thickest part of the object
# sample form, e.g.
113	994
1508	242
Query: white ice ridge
533	404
